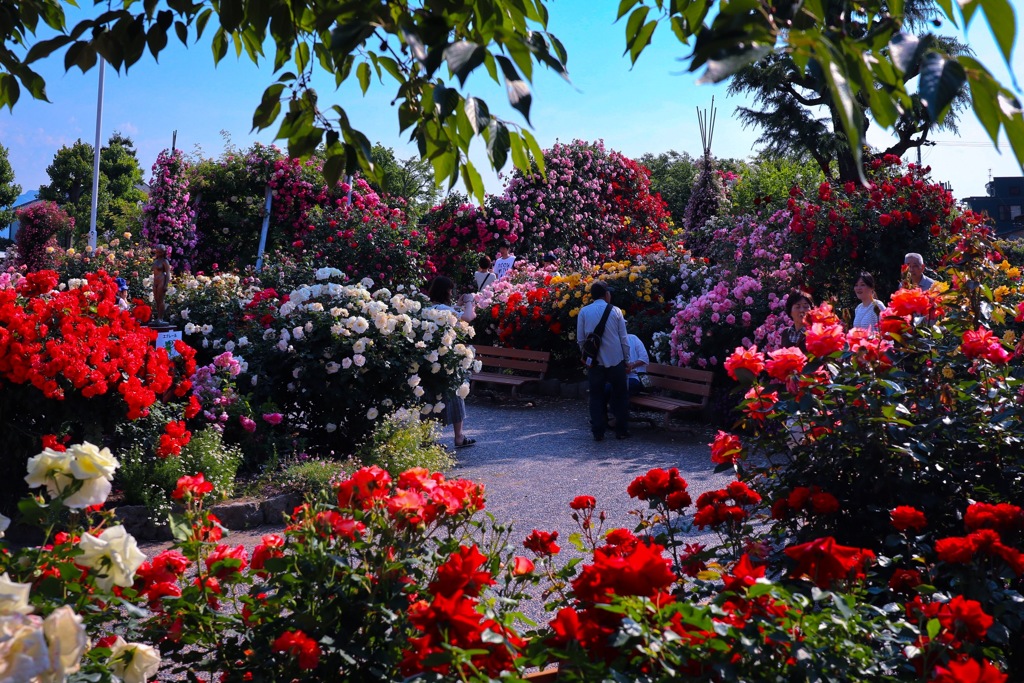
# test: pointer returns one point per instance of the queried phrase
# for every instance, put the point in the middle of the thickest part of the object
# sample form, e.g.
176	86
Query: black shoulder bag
592	344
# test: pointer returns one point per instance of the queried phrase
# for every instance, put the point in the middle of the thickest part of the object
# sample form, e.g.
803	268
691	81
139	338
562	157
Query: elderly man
609	367
915	266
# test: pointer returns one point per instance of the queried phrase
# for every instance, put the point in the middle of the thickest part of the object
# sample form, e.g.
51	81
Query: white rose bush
331	359
65	606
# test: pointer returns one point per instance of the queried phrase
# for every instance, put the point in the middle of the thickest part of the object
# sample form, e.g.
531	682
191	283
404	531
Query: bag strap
485	282
599	330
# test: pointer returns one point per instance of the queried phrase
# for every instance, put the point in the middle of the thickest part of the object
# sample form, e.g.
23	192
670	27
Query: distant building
1004	205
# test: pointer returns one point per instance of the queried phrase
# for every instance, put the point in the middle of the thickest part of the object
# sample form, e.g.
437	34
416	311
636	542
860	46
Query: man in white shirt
504	261
609	367
636	364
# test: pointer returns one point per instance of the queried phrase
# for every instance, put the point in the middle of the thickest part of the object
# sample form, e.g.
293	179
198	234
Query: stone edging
235	515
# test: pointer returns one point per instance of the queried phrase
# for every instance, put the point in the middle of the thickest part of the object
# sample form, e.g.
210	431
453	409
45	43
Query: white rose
91	492
65	634
230	346
330	427
360	345
463	390
184	314
243	342
14	596
206	343
346	363
418	391
190	328
308	327
4	523
318	308
89	462
23	651
372	414
282	345
435	368
50	469
332	368
114	554
439	406
360	325
359	360
207	329
133	662
298	333
414	381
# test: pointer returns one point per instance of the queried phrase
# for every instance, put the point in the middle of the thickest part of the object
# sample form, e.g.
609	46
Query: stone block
274	509
239	514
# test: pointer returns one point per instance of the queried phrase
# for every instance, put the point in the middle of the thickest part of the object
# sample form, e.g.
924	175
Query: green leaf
636	20
472	180
182	30
156	39
45	48
302	57
535	151
201	20
518	90
519	158
363	74
643	39
462	57
497	144
476	111
219	45
625	6
984	96
721	68
269	107
1001	20
231	12
903	50
941	81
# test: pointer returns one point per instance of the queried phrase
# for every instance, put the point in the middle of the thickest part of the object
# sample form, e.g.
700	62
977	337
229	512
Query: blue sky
647	108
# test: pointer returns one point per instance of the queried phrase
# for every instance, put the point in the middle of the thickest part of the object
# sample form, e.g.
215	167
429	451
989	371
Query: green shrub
148	480
401	443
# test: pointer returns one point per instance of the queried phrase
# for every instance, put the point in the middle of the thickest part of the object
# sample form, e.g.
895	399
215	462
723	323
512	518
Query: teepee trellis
708	191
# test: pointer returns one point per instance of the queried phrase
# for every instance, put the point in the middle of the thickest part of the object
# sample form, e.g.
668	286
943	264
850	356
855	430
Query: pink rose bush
168	218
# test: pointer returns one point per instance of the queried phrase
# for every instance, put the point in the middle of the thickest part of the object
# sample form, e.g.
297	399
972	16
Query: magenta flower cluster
168	218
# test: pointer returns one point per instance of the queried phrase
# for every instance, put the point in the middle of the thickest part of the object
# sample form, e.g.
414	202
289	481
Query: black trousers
615	377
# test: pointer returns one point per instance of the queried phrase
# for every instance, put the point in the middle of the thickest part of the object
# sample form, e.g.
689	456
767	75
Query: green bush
398	444
148	480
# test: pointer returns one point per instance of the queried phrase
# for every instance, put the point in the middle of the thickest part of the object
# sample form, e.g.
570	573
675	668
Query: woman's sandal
466	442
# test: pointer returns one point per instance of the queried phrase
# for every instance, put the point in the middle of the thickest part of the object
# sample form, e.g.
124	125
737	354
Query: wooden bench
669	379
511	367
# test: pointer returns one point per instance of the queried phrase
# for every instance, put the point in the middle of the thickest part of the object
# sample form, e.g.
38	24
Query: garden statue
161	279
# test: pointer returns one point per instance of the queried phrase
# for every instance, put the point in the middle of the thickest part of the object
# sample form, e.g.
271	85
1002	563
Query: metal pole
96	160
263	232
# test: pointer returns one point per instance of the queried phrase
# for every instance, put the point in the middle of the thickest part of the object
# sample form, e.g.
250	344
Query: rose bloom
912	302
1001	517
824	561
583	503
784	363
542	542
969	670
24	654
14	596
89	462
522	565
824	340
726	448
749	360
65	635
298	644
133	662
905	517
192	487
981	343
114	554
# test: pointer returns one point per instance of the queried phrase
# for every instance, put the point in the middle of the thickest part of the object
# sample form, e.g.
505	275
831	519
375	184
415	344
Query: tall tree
119	165
672	176
9	190
411	179
70	186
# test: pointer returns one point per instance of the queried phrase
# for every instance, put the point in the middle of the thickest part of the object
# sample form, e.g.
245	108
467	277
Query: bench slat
501	379
513	364
696	383
680	386
531	366
499	352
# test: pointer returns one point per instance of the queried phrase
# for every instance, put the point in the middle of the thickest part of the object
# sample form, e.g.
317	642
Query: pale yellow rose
23	651
133	662
90	462
14	596
4	523
114	554
91	492
65	634
51	469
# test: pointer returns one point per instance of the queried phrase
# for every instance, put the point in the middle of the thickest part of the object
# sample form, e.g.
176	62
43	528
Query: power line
969	143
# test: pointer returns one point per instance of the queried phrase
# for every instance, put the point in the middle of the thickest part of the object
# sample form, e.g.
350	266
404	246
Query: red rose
784	363
824	561
225	562
271	547
823	340
981	343
298	644
1002	517
522	565
726	448
542	542
583	503
969	671
745	361
192	487
905	580
905	517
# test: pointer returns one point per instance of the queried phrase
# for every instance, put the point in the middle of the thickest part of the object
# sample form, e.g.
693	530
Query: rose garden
871	529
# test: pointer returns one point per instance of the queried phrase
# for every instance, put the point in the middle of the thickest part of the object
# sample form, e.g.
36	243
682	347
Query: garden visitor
484	276
161	279
551	263
440	292
636	364
915	268
504	261
122	294
867	312
609	367
798	303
